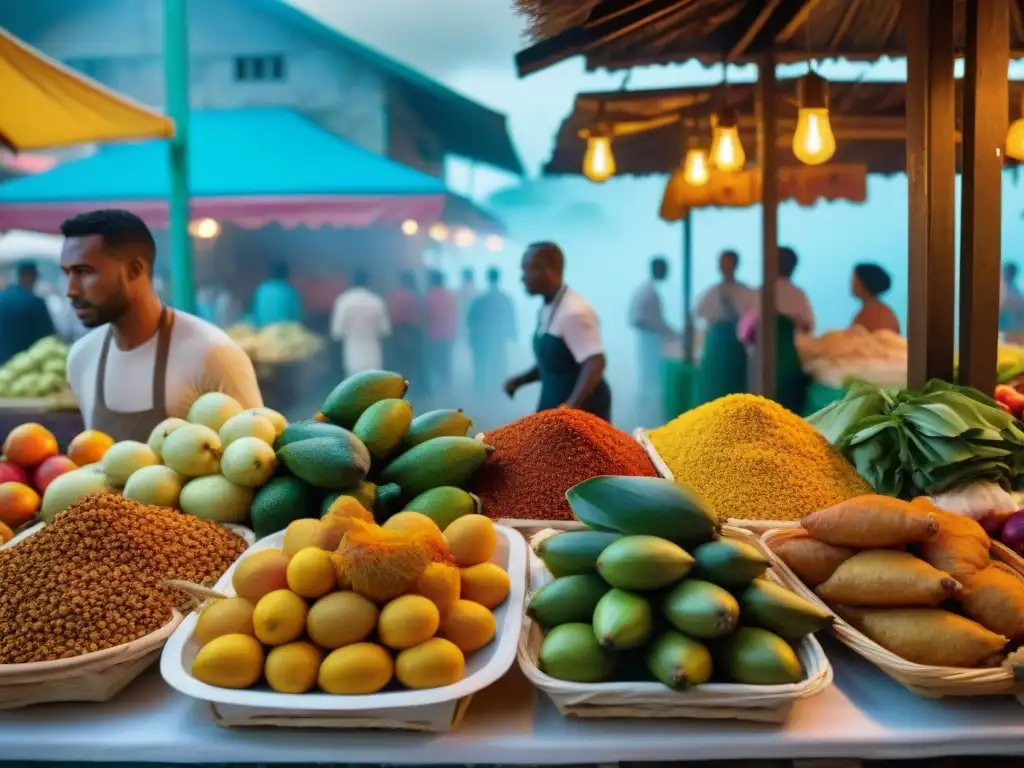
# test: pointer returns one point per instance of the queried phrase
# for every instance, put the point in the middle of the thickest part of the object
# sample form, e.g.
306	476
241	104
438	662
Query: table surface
864	715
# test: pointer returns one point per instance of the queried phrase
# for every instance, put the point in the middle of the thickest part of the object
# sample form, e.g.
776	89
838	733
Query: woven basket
930	682
712	701
97	676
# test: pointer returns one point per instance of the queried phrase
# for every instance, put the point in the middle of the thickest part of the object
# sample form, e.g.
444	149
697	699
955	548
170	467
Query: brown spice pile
537	459
90	580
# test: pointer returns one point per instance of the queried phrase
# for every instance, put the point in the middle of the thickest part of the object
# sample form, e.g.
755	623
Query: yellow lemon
440	584
471	540
407	621
311	573
411	522
341	618
356	670
231	616
433	664
260	574
293	668
279	618
486	584
300	534
229	661
469	625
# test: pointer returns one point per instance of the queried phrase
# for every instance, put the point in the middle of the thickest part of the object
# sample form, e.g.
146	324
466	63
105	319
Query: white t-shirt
575	322
202	358
714	306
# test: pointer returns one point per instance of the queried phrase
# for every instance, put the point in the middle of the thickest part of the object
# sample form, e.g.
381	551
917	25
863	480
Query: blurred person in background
491	321
871	281
647	317
276	300
360	322
567	343
1011	306
442	328
464	298
24	318
723	366
407	314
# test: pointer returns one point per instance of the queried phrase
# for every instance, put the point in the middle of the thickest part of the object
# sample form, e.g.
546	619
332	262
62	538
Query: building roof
619	34
466	128
868	119
249	166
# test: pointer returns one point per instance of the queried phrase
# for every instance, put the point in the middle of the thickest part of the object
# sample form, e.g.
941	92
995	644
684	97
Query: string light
599	159
696	168
204	229
464	238
410	227
813	141
494	243
726	148
438	232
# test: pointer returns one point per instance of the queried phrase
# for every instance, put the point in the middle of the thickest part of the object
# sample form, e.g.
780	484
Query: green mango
571	652
755	656
347	401
729	563
567	600
574	552
678	661
643	562
780	611
622	620
701	609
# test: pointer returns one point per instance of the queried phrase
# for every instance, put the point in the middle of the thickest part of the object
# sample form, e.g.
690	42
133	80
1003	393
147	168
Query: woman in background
869	282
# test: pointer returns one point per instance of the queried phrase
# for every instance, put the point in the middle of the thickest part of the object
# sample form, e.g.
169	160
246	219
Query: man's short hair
731	255
27	270
549	254
787	262
116	228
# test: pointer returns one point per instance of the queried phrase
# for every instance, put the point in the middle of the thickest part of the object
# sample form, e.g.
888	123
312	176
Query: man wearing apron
567	342
141	362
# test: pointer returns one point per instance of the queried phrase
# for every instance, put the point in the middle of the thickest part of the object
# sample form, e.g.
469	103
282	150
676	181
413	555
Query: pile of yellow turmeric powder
750	458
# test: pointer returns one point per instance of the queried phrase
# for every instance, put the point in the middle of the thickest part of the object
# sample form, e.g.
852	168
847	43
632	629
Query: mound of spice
538	458
91	579
750	458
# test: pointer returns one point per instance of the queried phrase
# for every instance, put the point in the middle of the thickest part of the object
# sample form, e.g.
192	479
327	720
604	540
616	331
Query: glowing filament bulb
813	141
726	148
599	160
696	170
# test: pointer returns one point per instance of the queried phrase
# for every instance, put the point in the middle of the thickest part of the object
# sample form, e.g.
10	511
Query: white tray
394	709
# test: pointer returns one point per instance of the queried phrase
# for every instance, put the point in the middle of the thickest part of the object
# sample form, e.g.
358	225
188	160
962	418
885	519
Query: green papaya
678	661
780	611
642	506
441	423
643	562
572	552
437	462
346	403
622	620
445	504
755	656
729	563
326	463
281	501
567	600
571	652
306	429
383	425
387	501
701	609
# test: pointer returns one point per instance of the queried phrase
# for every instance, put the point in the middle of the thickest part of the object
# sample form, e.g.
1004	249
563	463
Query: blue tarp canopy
249	167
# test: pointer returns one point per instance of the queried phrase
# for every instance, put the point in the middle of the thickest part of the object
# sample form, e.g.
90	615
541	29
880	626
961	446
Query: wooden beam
768	159
758	25
931	176
985	121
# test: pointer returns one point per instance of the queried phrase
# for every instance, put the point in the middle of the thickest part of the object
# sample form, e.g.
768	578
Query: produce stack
276	343
918	581
651	590
39	371
347	606
366	444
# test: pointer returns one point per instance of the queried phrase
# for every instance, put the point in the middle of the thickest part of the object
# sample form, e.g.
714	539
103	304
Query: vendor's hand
511	385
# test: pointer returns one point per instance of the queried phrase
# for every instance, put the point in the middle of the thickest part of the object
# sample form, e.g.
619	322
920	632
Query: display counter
60	415
864	715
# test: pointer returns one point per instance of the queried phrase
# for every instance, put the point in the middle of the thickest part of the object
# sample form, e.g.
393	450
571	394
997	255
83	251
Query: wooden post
931	178
985	121
768	159
687	254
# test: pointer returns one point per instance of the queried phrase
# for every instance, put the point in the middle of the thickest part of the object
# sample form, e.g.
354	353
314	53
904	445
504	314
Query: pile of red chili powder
537	459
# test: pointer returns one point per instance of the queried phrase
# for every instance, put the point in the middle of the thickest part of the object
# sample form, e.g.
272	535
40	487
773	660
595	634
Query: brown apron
136	425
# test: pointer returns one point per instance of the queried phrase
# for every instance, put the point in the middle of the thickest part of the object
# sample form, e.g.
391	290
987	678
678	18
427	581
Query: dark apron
559	372
723	363
136	425
789	371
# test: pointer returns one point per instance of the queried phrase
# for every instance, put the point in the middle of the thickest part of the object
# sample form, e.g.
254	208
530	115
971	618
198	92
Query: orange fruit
30	445
6	534
89	447
18	504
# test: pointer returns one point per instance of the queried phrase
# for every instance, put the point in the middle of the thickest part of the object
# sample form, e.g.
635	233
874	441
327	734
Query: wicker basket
930	682
97	676
714	701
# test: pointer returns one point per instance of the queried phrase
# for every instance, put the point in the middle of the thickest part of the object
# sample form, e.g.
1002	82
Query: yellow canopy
46	105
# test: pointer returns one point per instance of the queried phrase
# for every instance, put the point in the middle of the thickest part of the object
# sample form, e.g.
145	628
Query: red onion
1012	534
993	525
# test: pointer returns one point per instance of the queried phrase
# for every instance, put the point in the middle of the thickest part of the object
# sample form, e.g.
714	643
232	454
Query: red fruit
30	445
12	473
50	470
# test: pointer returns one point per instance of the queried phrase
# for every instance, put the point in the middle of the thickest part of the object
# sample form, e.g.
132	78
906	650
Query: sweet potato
927	635
882	578
871	522
995	599
952	524
811	560
960	548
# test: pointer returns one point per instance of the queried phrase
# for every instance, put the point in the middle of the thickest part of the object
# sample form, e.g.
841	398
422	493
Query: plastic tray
380	710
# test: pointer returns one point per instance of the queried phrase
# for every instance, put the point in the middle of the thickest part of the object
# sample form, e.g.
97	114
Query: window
258	69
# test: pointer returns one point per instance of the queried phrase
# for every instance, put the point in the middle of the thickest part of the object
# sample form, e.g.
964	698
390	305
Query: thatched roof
617	34
867	118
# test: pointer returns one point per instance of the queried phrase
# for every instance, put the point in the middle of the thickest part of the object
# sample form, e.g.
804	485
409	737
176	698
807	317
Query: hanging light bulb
813	141
696	168
599	160
726	148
